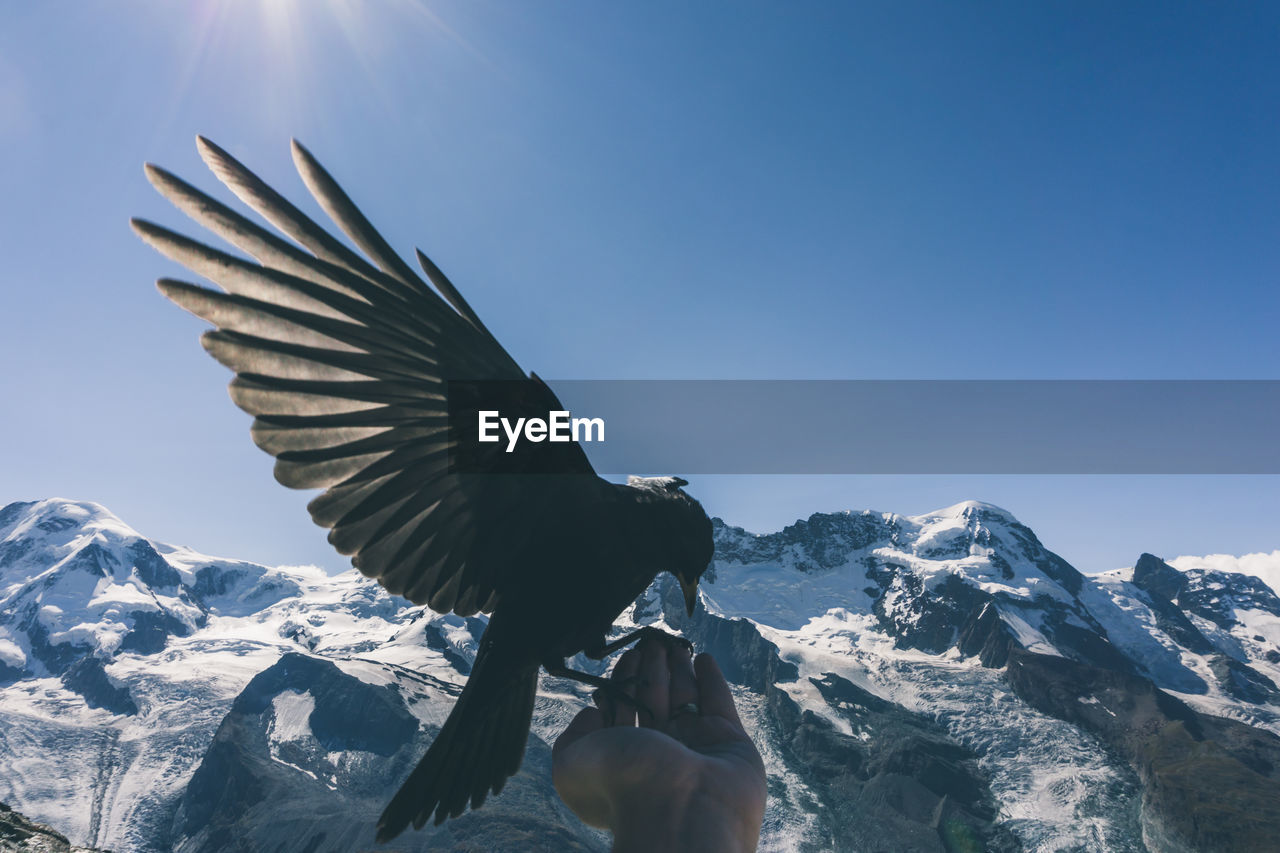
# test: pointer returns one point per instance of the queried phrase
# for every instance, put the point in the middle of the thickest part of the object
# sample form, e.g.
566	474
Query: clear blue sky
662	189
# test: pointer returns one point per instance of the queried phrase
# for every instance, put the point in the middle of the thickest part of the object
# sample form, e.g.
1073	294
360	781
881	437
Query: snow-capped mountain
971	577
1150	665
938	682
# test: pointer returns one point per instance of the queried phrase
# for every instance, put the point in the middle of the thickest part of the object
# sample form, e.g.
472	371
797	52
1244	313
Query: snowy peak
821	542
1211	635
45	535
79	587
969	511
1158	577
969	576
1261	566
979	542
974	580
58	515
79	583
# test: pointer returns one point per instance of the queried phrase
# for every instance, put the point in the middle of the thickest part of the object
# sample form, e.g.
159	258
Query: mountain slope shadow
308	756
1209	784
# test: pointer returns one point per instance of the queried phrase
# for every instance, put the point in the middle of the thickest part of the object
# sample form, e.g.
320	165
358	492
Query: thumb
588	720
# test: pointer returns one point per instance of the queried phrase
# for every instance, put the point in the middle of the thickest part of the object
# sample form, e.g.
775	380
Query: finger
684	682
683	724
655	683
575	768
588	720
602	700
714	697
625	670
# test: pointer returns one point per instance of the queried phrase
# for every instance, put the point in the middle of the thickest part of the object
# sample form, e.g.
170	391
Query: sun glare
286	47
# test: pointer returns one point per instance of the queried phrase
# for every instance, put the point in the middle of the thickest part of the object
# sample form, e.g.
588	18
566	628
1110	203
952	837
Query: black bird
345	364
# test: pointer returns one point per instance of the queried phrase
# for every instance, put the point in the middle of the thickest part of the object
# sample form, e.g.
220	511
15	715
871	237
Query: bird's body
600	564
347	367
549	623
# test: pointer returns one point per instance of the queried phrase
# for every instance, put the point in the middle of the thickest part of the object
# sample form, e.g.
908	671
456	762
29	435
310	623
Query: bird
351	365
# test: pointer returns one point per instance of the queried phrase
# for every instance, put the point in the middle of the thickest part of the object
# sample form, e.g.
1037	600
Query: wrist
687	821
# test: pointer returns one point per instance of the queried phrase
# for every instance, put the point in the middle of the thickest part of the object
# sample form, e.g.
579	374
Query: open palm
682	777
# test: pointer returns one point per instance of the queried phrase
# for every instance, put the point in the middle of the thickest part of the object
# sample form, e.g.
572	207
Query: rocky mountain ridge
938	682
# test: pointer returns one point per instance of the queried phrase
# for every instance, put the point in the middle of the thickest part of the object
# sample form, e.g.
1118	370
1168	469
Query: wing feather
320	475
265	247
341	210
345	362
247	359
258	399
281	213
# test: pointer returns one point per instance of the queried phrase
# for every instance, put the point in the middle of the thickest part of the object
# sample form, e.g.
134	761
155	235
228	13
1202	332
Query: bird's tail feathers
479	747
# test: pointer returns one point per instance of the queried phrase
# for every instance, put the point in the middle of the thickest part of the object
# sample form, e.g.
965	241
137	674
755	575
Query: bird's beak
690	589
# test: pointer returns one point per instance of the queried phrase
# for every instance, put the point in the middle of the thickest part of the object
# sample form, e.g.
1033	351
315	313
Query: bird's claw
666	638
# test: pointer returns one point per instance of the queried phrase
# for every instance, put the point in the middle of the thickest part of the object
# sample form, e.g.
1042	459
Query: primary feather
342	363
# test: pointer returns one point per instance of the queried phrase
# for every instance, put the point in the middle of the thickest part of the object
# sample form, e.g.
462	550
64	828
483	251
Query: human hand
686	777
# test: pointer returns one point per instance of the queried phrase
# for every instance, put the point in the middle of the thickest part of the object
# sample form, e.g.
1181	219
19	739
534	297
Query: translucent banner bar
883	427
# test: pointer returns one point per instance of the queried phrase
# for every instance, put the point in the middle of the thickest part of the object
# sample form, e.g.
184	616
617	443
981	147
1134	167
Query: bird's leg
603	650
613	687
610	687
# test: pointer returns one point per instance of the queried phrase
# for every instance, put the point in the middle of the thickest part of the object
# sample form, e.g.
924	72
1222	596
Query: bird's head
690	572
689	533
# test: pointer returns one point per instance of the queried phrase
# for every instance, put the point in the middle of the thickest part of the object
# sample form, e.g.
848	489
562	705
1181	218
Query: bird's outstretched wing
345	364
